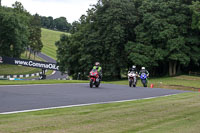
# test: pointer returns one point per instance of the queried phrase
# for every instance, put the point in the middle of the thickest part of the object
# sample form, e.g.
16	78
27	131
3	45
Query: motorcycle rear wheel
97	84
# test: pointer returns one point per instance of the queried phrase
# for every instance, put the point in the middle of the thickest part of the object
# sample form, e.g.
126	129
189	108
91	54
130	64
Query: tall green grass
49	37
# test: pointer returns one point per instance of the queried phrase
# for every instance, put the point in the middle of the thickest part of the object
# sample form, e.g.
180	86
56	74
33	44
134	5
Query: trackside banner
29	63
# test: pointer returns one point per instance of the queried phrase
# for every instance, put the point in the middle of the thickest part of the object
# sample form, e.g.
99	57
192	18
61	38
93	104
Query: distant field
49	37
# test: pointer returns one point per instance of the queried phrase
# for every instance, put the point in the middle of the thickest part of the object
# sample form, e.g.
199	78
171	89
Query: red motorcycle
94	78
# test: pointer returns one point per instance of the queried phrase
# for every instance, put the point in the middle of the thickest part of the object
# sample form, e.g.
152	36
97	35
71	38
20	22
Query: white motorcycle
132	77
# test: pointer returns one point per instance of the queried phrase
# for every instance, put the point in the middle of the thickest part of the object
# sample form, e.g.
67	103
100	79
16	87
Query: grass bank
6	69
49	37
27	82
183	82
177	113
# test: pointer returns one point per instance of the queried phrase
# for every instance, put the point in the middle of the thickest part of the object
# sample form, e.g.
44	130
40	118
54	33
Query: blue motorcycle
143	78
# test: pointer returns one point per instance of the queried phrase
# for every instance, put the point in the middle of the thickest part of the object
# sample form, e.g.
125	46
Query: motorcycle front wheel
130	83
91	83
144	82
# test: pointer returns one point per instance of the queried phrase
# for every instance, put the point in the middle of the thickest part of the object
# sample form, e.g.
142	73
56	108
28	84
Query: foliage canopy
157	34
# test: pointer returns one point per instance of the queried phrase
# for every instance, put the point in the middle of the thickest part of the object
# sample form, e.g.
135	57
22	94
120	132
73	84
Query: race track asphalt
28	97
57	74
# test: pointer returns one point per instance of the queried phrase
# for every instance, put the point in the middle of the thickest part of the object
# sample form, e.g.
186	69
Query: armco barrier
194	73
20	76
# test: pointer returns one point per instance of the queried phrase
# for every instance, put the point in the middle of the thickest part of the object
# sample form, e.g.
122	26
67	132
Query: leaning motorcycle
94	78
132	77
143	78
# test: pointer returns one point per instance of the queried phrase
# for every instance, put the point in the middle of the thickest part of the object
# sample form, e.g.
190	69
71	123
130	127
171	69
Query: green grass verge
6	69
182	82
49	37
177	113
26	82
15	70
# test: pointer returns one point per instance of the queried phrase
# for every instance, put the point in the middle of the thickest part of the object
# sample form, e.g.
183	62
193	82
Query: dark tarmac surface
57	74
28	97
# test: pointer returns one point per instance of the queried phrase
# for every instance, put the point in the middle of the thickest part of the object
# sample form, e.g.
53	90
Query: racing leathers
99	70
144	71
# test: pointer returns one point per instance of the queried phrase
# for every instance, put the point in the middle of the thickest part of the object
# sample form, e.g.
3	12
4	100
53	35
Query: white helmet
133	67
143	68
97	64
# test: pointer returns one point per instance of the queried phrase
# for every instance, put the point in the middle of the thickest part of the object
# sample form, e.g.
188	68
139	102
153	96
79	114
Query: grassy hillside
6	69
49	37
12	70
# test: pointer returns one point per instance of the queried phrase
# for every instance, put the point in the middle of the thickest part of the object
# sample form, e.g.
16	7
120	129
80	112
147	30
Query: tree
35	42
165	27
64	52
51	23
115	21
195	8
14	32
18	7
18	31
61	24
101	36
74	27
152	33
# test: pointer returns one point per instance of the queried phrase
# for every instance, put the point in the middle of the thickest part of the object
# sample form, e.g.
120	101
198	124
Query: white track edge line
79	105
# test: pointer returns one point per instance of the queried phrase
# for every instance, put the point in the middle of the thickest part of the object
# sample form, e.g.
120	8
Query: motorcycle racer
133	69
143	70
132	76
98	68
144	74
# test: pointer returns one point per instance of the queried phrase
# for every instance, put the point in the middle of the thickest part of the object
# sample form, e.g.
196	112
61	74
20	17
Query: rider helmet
97	64
143	68
133	67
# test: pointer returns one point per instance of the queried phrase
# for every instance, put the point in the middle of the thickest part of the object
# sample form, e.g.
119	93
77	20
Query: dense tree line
19	31
161	35
60	23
